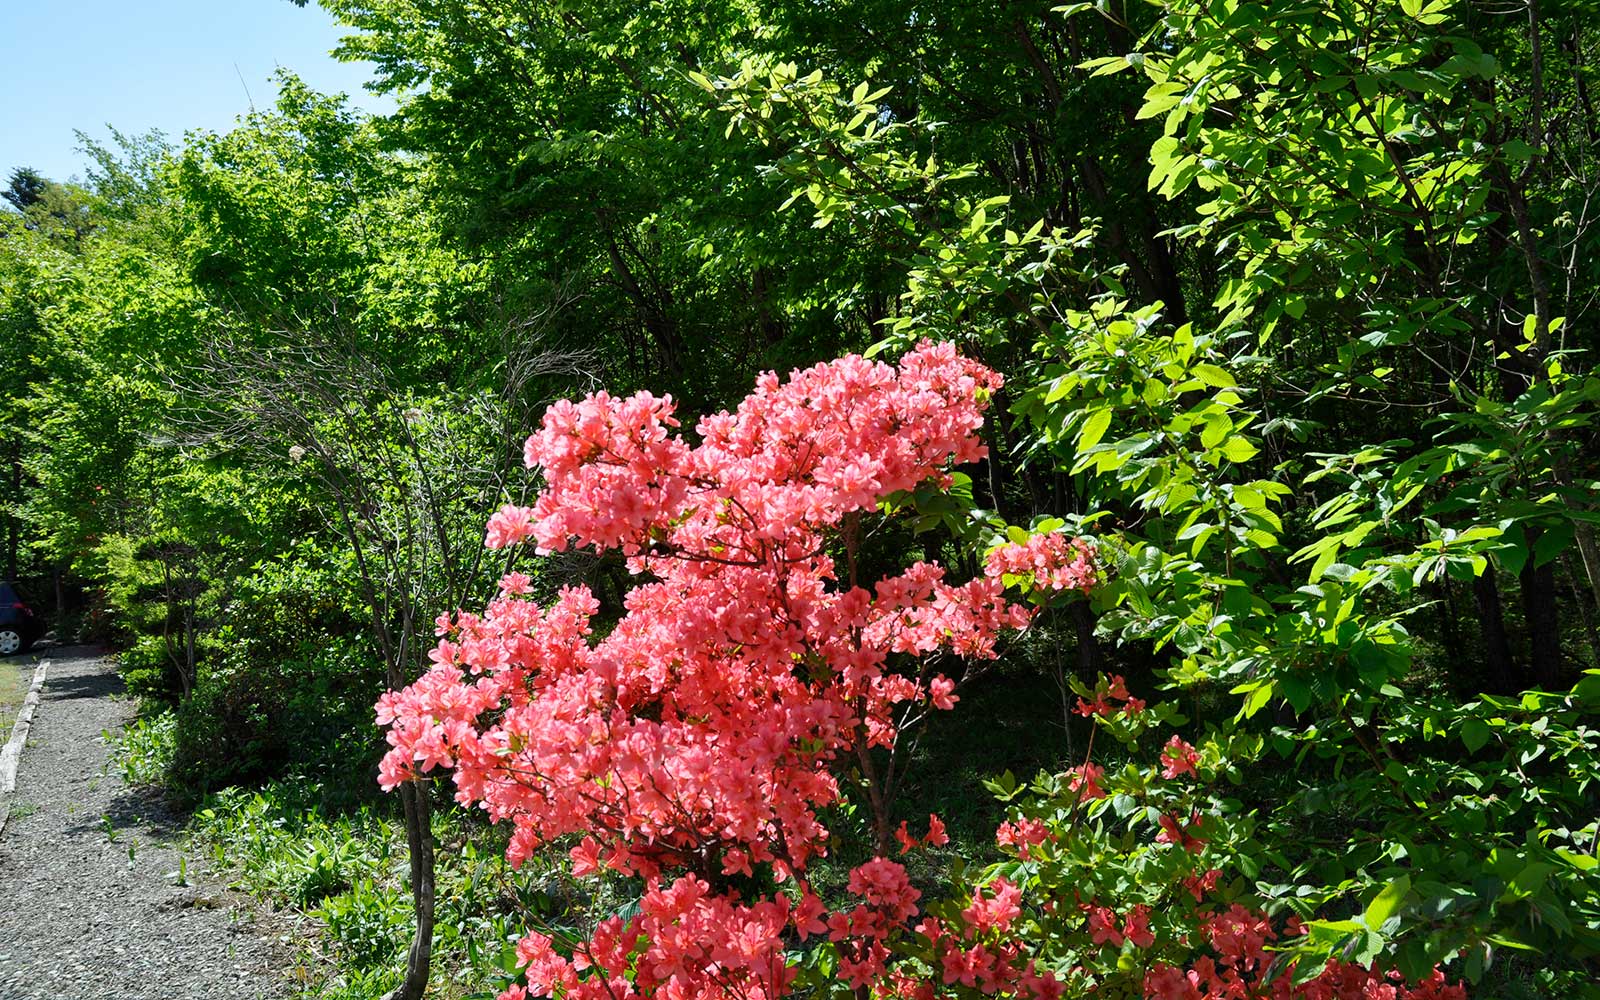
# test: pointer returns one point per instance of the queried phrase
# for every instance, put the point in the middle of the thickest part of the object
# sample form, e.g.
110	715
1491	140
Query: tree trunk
1501	673
11	516
1090	661
1589	552
415	799
1449	636
658	324
879	798
189	674
770	324
1585	613
1543	619
416	806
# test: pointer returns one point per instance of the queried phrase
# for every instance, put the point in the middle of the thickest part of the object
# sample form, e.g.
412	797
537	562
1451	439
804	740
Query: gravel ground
89	905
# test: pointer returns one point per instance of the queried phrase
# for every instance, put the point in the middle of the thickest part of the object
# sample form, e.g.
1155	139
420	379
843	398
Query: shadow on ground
143	810
82	686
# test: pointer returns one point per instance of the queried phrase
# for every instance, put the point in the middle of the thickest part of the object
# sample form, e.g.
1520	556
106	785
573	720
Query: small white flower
296	453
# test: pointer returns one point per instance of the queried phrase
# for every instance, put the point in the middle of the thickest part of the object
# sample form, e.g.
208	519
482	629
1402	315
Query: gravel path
89	905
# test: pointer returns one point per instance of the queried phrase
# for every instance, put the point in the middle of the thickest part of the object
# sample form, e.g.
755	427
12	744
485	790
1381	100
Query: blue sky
164	64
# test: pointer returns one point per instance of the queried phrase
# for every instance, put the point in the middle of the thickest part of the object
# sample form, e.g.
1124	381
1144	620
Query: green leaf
1256	700
1475	733
1094	428
1297	690
1238	449
1414	961
1214	376
1217	425
1387	903
1514	554
1552	542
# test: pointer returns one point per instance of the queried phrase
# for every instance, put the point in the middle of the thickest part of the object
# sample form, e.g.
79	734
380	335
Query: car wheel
10	641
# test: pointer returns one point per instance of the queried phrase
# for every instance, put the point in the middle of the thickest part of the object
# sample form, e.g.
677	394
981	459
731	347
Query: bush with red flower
698	739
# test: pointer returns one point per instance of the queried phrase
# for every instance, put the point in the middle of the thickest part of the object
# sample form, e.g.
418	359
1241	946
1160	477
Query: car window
8	594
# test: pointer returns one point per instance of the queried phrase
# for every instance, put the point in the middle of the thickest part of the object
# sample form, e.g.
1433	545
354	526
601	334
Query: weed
142	754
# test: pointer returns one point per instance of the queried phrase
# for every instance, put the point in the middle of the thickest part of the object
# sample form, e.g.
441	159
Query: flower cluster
862	934
1106	928
1178	758
1140	911
936	836
698	735
978	949
1111	697
1239	964
1021	835
1050	560
682	929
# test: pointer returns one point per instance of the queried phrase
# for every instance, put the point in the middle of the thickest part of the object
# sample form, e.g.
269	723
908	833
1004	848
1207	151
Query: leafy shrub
283	846
142	753
251	722
148	671
368	922
229	732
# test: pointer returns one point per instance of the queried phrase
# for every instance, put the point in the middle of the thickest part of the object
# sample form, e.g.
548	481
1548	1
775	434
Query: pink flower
1103	926
808	916
1048	561
1042	987
1164	982
907	842
1178	757
515	583
995	912
1085	781
885	885
1175	831
1022	834
1136	926
1106	697
1200	885
509	525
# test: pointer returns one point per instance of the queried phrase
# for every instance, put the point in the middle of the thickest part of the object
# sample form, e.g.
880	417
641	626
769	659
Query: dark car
19	626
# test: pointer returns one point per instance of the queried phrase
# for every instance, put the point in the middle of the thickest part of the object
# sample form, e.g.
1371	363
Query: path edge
11	754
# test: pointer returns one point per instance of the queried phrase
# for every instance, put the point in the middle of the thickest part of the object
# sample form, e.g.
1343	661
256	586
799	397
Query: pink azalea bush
697	739
695	743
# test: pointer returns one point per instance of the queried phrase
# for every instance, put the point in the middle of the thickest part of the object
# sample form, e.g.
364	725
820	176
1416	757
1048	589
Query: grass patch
15	677
345	869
